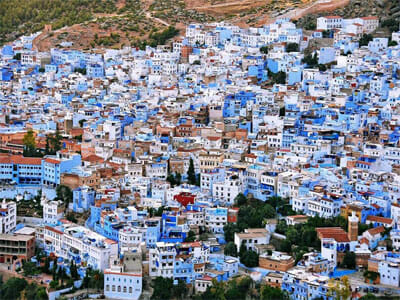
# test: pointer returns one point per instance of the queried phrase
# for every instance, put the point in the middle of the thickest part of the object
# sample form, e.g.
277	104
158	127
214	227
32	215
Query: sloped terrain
384	9
88	24
18	17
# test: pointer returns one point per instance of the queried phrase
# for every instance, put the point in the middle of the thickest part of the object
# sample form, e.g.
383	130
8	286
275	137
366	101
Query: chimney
353	227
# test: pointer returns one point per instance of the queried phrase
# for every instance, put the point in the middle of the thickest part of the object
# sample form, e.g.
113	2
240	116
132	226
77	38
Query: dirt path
228	4
316	7
149	16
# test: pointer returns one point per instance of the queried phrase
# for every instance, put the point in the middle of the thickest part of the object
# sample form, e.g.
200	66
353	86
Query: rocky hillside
19	17
88	24
113	23
384	9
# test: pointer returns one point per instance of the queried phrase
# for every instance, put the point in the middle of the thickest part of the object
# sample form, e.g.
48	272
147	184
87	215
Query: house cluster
156	144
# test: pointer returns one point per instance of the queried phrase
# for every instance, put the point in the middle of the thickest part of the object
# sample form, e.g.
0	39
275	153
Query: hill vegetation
18	17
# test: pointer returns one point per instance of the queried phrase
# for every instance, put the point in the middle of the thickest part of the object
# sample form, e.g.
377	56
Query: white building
130	236
329	22
8	216
53	211
201	284
389	273
162	260
396	37
251	238
227	190
216	218
112	130
123	280
71	241
395	237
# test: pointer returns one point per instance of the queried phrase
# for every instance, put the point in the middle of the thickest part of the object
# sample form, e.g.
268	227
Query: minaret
353	227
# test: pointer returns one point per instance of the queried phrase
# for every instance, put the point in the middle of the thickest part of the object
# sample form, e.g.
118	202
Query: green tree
93	279
81	122
53	143
311	60
270	293
310	25
339	289
322	67
29	144
180	290
159	211
171	179
53	284
178	178
41	294
249	258
65	194
279	78
264	49
162	288
35	292
229	231
46	267
240	199
368	296
349	260
13	287
74	271
282	111
230	249
392	24
292	47
365	39
326	34
29	268
191	236
17	56
191	172
244	286
217	290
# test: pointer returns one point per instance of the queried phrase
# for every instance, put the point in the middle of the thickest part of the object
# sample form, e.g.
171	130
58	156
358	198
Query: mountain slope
19	17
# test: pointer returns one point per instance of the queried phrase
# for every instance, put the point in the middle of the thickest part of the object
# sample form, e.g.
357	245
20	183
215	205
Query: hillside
19	17
387	10
114	23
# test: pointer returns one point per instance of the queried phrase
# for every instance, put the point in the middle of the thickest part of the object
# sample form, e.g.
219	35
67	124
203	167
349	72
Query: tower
353	227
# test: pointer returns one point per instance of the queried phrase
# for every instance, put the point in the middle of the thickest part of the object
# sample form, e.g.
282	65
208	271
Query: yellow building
347	211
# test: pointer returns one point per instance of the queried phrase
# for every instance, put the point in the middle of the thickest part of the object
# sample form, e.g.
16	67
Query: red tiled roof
396	205
336	233
206	278
332	17
369	18
379	219
376	230
121	151
52	161
93	158
298	217
21	160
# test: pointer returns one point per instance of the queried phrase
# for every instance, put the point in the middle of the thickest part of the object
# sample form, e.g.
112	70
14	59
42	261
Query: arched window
113	288
124	289
107	287
119	288
130	289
